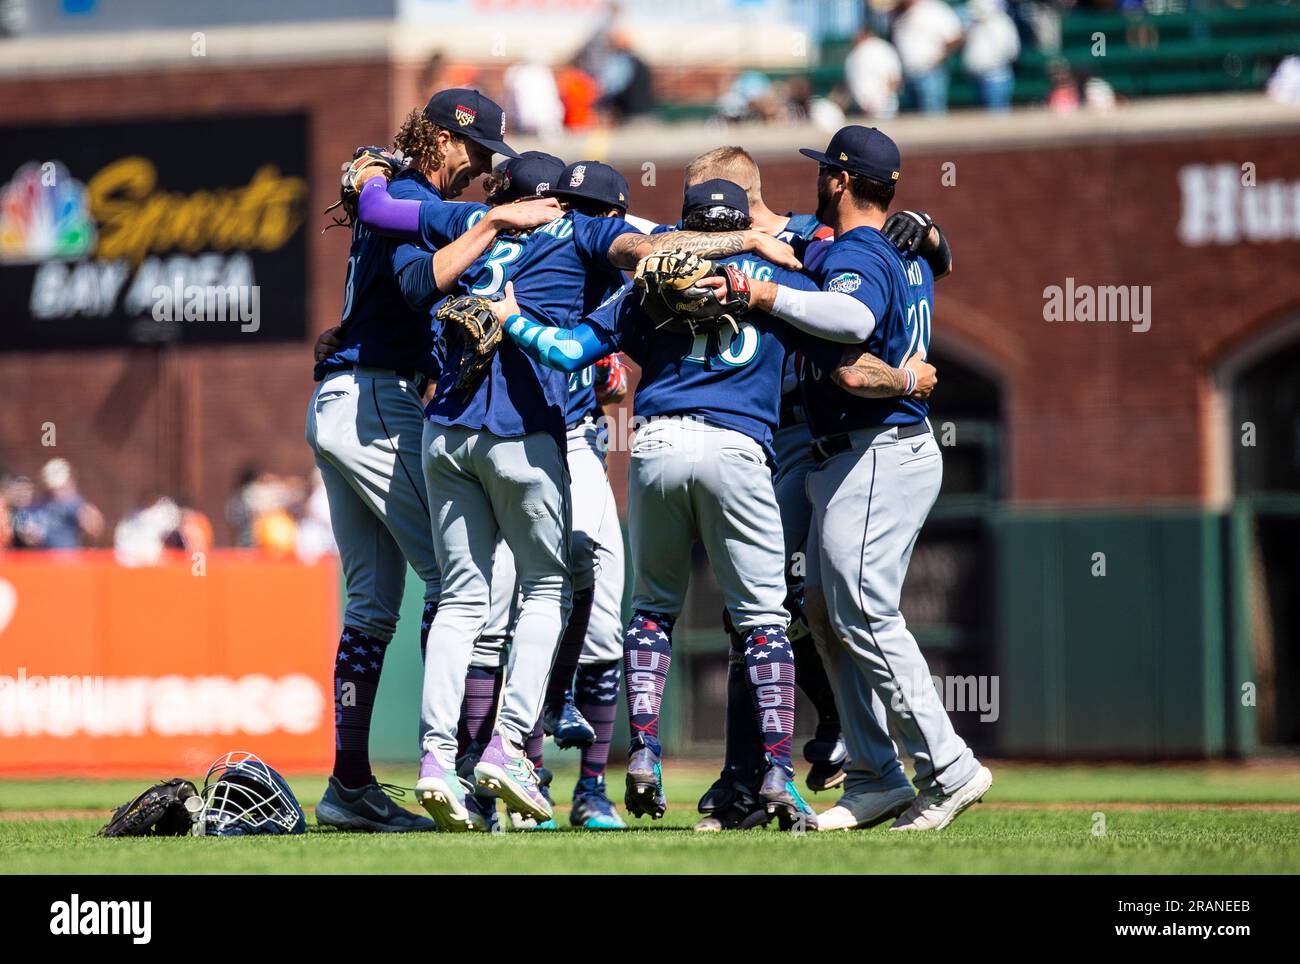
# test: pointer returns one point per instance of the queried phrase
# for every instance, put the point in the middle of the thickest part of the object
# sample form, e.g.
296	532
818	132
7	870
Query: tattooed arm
630	248
866	376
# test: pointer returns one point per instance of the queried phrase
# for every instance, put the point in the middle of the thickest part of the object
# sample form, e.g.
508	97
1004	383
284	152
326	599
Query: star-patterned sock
647	652
596	693
356	677
426	624
533	745
769	669
478	710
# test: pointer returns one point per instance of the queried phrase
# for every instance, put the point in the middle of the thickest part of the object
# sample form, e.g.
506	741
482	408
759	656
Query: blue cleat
592	808
645	784
730	805
567	725
369	808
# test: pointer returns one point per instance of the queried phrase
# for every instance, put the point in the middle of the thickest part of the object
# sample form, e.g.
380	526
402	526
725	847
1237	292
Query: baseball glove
610	379
673	299
164	810
480	333
366	163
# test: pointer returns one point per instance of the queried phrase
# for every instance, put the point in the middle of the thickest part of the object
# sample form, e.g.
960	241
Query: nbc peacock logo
44	216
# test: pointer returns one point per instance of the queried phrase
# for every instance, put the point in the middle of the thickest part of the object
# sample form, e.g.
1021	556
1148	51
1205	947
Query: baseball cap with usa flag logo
861	150
472	115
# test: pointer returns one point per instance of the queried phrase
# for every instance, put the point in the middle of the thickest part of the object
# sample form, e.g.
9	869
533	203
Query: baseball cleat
827	754
483	812
730	805
865	808
592	808
504	771
567	726
520	821
780	798
442	794
934	811
645	785
370	809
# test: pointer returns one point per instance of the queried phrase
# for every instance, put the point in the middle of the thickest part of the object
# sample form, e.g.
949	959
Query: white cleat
444	804
932	812
865	808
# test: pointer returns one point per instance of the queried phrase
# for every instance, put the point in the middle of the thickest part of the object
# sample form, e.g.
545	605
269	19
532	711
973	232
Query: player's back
728	379
379	329
903	294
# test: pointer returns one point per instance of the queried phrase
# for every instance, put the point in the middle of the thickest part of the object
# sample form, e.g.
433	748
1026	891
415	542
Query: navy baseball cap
861	150
529	174
715	193
594	181
470	114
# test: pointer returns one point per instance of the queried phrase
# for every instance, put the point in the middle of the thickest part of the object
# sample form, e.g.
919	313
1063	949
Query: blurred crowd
900	56
282	516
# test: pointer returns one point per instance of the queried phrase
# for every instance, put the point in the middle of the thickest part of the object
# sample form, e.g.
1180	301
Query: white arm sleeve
641	224
832	315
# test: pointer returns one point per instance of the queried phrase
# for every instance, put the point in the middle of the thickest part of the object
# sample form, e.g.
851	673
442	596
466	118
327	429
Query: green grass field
1037	819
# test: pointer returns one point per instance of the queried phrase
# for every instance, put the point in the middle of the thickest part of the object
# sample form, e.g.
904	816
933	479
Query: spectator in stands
64	518
533	98
579	93
926	33
874	74
627	90
1063	98
992	46
1284	85
143	535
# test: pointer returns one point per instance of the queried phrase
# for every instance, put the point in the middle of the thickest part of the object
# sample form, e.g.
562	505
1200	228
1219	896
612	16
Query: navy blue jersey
560	271
379	328
732	381
899	290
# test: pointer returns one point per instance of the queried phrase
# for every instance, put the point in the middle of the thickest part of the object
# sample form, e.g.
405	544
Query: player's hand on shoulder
521	215
328	342
927	376
772	249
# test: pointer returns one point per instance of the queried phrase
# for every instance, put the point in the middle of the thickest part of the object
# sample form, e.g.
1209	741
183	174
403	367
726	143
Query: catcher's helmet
242	796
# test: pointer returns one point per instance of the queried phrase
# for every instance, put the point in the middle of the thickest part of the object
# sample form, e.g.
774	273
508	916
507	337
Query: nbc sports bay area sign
153	232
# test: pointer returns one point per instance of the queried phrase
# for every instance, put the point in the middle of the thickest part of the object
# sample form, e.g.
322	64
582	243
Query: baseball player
701	469
880	471
731	800
364	422
494	456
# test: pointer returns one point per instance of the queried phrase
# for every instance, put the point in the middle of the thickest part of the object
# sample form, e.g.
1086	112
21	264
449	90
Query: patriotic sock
478	710
769	668
743	743
596	693
426	624
570	648
647	652
533	745
356	677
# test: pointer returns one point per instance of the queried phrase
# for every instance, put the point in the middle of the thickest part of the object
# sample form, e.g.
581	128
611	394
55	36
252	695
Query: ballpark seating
1145	55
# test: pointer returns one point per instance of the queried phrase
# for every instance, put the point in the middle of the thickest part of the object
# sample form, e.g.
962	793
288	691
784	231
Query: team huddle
782	406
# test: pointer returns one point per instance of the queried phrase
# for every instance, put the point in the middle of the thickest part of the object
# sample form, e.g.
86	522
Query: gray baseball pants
868	506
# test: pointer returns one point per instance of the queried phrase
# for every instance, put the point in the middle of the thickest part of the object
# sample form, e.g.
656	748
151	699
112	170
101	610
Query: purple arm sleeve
387	215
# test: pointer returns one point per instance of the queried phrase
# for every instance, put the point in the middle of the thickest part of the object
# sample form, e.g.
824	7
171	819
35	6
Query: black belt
418	379
831	445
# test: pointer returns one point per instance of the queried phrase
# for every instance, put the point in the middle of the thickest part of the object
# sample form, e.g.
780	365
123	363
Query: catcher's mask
242	796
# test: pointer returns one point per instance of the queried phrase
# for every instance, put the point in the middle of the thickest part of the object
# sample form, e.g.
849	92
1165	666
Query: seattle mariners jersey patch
845	283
